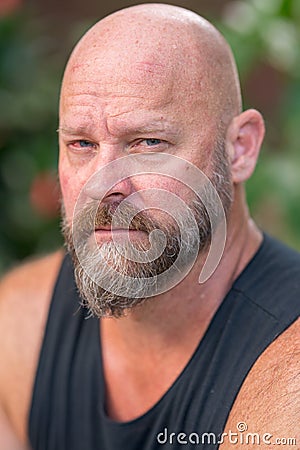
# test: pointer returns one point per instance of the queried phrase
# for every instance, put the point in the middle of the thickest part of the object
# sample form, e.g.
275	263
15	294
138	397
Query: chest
76	392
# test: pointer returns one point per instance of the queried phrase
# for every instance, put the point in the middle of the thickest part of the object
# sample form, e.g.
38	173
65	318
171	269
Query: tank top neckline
188	366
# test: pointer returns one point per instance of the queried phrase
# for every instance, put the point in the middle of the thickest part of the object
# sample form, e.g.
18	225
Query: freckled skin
119	74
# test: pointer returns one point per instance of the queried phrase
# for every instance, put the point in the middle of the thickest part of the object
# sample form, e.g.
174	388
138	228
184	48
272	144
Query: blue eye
151	142
83	143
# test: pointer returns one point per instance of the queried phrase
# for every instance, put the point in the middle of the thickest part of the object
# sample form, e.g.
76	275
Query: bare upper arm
269	400
8	439
25	295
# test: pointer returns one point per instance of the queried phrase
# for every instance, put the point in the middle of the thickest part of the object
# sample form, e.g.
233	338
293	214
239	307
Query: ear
244	138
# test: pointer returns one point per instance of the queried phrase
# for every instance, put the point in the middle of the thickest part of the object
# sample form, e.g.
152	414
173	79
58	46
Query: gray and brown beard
97	265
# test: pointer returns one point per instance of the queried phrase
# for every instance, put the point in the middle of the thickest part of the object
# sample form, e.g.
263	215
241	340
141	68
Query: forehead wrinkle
156	104
72	96
109	82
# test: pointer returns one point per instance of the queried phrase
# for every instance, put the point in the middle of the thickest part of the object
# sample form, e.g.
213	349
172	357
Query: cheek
161	190
71	185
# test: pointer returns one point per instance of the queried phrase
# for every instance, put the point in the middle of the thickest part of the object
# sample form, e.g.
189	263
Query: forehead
119	82
143	54
136	66
114	94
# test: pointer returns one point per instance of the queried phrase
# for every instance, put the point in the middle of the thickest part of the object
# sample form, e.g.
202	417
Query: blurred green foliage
262	33
29	81
266	33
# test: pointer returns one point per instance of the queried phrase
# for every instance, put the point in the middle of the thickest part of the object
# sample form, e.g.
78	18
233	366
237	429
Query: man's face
111	108
116	104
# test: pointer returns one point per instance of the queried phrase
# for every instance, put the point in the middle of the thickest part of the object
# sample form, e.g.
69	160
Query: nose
116	193
110	181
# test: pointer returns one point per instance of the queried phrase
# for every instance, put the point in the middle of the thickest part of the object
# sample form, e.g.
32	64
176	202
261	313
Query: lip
107	233
104	228
113	230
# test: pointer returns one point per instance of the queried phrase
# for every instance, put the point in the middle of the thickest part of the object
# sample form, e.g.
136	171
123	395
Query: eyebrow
154	127
73	131
145	126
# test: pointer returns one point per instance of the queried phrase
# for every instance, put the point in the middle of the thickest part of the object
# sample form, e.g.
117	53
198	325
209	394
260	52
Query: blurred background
36	37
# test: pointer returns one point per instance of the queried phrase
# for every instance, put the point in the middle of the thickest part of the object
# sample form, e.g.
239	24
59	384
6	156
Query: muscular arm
25	295
269	401
8	439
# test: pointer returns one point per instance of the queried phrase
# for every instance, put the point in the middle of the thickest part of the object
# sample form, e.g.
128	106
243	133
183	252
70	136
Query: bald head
154	45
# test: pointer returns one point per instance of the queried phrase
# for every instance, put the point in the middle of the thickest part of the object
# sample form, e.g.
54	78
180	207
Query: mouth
107	233
113	230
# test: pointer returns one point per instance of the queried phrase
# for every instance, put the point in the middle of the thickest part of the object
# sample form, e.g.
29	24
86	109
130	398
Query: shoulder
25	293
25	276
269	401
271	281
280	259
25	296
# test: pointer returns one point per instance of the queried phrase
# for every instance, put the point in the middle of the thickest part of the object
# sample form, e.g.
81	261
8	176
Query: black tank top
67	410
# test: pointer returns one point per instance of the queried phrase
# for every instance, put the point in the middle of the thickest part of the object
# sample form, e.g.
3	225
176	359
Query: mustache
93	216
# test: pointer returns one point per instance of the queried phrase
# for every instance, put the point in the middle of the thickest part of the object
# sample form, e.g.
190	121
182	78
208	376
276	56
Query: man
151	110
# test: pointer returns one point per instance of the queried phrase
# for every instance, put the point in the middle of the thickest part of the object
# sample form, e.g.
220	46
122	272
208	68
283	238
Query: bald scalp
152	44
